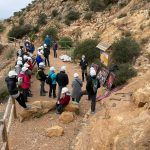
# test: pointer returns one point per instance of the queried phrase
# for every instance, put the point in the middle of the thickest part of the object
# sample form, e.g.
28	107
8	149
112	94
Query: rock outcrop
66	117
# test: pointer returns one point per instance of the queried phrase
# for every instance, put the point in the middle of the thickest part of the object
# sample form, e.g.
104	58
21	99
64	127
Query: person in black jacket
46	55
11	81
92	86
62	80
83	65
42	78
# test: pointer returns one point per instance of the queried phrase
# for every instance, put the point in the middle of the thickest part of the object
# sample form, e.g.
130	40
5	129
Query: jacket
52	75
62	79
55	46
47	41
76	88
25	80
39	59
11	85
89	85
42	75
83	64
30	65
18	69
46	52
65	100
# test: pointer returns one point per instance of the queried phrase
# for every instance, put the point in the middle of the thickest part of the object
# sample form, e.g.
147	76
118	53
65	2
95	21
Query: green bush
3	93
72	15
124	50
126	33
42	19
97	5
54	13
52	32
21	21
124	73
20	31
87	48
88	16
2	28
17	14
65	42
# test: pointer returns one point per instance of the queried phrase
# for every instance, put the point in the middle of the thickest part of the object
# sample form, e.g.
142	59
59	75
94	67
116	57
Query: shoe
28	106
43	94
92	112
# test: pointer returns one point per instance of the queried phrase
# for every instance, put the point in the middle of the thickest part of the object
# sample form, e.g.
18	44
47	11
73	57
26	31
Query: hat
63	68
83	56
26	65
24	69
19	62
41	64
92	73
52	68
64	90
76	75
29	58
39	48
25	57
45	45
92	68
12	73
19	58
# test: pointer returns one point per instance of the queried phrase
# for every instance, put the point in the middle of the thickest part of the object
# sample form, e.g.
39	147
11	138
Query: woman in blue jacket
39	59
52	84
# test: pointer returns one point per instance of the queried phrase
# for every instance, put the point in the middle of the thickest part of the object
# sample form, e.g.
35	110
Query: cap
12	73
64	90
76	75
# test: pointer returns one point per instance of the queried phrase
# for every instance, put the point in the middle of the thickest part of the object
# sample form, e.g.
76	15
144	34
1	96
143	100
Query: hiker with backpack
52	82
42	77
46	55
18	66
55	47
11	81
39	58
83	65
92	87
62	80
24	82
76	89
63	101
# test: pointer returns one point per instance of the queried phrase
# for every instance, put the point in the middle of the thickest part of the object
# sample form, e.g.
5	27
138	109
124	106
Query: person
55	47
63	101
18	66
76	89
39	58
62	80
20	52
52	88
42	78
47	41
11	81
24	82
46	55
92	87
27	45
31	48
83	65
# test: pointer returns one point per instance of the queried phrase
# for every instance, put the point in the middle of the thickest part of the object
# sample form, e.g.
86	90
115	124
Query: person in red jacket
63	101
24	82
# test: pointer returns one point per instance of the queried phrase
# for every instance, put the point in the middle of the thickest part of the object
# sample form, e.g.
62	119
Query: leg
93	102
42	88
45	61
25	94
48	61
83	75
54	90
21	101
59	92
50	90
59	108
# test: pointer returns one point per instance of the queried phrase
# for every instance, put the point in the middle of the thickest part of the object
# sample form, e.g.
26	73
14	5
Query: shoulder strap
78	82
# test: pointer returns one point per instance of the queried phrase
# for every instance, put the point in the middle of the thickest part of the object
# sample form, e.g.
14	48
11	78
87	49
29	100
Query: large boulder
54	131
72	108
142	96
66	117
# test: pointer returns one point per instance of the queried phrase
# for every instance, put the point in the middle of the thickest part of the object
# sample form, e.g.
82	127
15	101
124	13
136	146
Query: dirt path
30	135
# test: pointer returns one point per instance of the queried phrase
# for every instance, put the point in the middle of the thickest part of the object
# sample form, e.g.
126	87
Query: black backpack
49	80
94	85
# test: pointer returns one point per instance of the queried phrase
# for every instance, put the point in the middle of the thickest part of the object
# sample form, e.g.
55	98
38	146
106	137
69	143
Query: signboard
104	58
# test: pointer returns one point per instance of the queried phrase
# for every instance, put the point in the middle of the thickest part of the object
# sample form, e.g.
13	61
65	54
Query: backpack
49	80
94	85
37	75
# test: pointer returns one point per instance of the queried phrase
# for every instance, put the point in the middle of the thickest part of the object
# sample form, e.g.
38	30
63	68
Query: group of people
19	80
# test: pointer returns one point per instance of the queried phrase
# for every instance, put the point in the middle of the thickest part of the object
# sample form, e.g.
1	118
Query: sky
8	7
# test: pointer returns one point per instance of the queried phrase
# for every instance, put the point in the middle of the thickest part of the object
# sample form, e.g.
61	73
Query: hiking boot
92	112
43	94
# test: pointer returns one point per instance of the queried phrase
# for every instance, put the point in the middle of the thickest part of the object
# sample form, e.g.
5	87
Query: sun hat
63	68
52	68
64	90
92	73
76	75
12	73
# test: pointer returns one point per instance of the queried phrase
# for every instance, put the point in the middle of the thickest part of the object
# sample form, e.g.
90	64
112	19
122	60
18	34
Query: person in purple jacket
55	47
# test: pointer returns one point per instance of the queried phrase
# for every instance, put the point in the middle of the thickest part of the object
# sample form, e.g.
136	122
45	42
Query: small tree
124	50
72	16
97	5
54	13
65	42
42	19
21	21
88	16
52	32
87	48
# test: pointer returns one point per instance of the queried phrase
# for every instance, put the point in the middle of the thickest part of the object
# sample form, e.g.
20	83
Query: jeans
84	74
93	102
59	92
52	89
42	90
47	61
59	108
21	101
55	53
25	94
